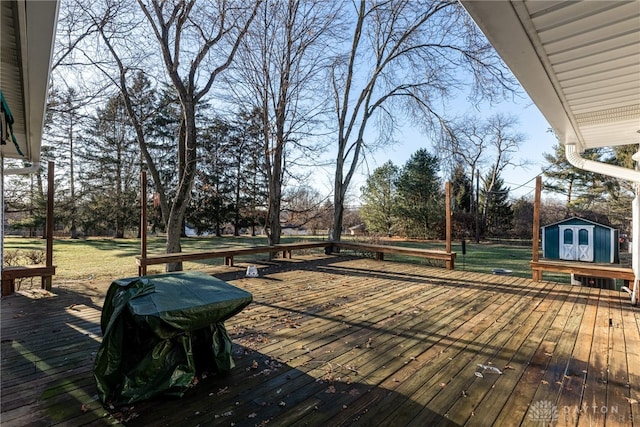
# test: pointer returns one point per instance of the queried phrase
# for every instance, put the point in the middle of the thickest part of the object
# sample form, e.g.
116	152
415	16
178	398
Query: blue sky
521	180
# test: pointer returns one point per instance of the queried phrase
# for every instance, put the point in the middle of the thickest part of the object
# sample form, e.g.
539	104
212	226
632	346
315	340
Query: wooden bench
582	269
379	250
10	274
227	253
286	248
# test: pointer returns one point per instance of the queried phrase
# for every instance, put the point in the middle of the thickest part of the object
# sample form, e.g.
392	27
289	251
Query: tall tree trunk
175	224
338	205
275	194
73	228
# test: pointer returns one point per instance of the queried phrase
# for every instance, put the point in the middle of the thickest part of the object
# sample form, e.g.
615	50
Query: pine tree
498	214
420	198
581	188
379	196
110	154
461	190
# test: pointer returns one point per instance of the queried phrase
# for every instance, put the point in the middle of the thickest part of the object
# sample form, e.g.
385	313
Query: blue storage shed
578	239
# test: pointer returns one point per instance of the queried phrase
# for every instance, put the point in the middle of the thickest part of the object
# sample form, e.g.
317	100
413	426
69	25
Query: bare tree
196	42
505	140
303	207
464	142
475	143
278	73
407	56
211	35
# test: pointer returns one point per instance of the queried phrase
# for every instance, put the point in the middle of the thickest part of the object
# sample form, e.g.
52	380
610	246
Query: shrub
18	257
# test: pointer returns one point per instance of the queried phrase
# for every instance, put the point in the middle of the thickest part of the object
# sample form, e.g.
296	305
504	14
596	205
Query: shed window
583	237
568	236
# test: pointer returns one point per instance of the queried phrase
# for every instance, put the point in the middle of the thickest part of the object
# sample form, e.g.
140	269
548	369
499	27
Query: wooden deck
335	341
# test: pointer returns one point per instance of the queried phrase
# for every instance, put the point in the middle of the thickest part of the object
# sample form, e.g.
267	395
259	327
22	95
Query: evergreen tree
498	214
249	177
581	188
522	224
379	196
110	177
420	197
463	201
64	129
621	193
461	190
211	198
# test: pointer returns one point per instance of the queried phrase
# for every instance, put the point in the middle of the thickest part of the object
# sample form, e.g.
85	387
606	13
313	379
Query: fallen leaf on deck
85	408
544	382
631	400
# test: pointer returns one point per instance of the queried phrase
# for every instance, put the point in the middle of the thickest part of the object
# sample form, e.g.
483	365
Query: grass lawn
107	258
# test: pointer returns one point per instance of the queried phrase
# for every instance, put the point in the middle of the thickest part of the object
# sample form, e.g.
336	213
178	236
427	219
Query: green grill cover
160	332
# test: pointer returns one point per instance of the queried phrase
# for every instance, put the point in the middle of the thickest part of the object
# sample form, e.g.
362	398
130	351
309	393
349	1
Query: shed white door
576	242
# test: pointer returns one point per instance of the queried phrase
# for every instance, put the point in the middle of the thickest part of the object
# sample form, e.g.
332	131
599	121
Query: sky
521	181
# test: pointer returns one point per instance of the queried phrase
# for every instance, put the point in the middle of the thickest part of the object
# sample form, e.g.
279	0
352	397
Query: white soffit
27	30
578	61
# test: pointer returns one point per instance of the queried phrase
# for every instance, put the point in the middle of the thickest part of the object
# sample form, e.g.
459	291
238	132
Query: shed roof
580	219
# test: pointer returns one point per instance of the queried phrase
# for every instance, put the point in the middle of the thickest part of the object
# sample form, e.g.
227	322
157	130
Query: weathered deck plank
341	341
632	351
594	396
618	385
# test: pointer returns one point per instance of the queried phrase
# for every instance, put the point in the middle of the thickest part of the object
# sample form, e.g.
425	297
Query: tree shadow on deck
475	281
56	331
49	340
263	391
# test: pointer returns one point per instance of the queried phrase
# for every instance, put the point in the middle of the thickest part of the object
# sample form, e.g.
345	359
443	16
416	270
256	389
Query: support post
477	206
47	280
447	210
4	292
535	238
142	269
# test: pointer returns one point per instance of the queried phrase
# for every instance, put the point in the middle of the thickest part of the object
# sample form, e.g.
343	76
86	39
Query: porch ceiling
578	61
27	31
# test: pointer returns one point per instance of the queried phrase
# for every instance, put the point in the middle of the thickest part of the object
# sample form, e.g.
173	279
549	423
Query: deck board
348	341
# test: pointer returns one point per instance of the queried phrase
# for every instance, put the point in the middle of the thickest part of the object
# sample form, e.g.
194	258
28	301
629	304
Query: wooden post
537	274
447	213
142	269
47	280
477	210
